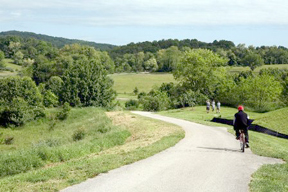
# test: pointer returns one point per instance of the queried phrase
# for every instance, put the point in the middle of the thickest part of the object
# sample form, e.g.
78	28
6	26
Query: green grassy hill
276	120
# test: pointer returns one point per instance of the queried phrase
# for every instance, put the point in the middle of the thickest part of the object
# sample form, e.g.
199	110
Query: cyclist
241	122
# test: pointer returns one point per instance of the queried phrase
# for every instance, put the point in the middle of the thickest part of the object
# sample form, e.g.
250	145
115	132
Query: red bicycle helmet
240	108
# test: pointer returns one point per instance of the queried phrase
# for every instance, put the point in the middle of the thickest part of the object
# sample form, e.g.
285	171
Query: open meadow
125	83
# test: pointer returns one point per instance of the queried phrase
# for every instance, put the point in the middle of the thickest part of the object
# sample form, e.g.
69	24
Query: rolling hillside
57	41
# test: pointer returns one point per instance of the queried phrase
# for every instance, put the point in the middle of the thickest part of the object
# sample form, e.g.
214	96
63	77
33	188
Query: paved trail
207	159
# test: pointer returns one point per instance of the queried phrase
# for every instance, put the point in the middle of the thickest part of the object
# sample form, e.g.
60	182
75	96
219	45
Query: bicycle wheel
242	141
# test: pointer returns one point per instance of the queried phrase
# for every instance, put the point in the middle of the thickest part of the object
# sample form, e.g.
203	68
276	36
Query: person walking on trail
213	105
241	122
218	107
207	106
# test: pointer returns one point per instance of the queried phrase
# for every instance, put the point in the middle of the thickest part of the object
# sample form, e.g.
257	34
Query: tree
198	70
2	56
20	101
253	60
168	58
261	92
151	65
86	84
18	58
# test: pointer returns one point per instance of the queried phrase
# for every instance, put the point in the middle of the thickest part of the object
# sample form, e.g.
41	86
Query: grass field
109	143
13	69
268	177
125	83
240	69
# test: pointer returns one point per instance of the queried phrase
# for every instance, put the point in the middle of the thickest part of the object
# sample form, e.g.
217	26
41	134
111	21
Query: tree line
201	75
78	76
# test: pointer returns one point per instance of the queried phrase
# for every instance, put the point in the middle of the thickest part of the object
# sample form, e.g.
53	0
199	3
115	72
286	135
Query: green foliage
56	41
63	114
136	90
2	56
20	101
262	93
78	135
131	104
151	65
198	70
155	101
55	84
50	99
253	60
14	163
86	84
168	58
18	58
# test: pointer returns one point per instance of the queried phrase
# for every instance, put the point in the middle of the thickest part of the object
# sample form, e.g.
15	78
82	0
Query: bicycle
242	140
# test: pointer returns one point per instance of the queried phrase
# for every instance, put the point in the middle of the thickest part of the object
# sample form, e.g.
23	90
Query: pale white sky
253	22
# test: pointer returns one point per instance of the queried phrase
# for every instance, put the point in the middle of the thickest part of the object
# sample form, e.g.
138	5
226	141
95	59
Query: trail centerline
207	159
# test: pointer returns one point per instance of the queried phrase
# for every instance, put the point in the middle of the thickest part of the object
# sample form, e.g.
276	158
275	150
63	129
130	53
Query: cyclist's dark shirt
241	120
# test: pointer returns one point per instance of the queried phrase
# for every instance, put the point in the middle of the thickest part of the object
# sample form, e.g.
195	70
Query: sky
119	22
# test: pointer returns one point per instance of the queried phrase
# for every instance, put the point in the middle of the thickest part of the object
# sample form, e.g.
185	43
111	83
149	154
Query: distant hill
57	41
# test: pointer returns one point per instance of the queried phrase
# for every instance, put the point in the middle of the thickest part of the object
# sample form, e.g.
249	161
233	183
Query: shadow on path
221	149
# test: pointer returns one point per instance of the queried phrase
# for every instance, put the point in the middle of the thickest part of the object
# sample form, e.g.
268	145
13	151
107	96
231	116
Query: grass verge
148	137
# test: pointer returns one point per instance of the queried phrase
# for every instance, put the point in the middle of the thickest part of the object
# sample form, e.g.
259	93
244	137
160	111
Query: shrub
132	104
156	102
63	114
9	140
78	135
50	99
136	90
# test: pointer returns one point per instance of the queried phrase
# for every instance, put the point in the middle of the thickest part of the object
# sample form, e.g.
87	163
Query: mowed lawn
125	83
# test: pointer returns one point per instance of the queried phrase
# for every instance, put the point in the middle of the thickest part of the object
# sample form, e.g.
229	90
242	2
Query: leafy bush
17	112
132	104
63	114
156	101
136	90
20	101
79	135
50	99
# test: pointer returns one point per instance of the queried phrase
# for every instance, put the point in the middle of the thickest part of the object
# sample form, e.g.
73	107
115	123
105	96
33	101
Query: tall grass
40	145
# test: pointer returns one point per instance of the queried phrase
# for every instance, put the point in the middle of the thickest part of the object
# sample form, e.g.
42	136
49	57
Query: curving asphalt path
207	159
